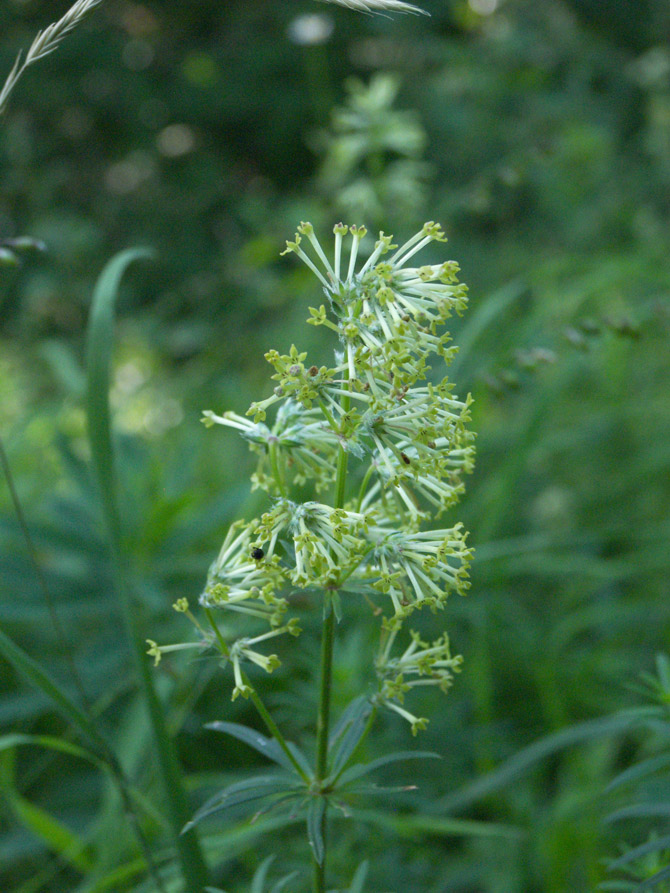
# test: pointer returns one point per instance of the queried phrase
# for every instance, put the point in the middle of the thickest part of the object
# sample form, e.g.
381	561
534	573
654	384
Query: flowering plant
392	446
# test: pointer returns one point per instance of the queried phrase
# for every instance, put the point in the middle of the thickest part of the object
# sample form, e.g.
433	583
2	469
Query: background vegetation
538	133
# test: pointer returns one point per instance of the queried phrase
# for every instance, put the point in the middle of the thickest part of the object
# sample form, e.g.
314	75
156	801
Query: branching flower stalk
390	443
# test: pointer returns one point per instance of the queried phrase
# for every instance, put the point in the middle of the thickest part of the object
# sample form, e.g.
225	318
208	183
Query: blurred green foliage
538	133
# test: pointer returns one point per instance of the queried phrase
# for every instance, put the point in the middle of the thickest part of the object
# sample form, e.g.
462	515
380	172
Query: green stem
331	421
323	720
274	731
223	647
323	716
364	487
276	470
322	727
263	712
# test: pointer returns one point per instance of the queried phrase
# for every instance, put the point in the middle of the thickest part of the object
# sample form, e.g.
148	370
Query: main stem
323	717
322	727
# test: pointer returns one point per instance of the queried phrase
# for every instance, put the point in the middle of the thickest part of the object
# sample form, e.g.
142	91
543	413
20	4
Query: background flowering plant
392	446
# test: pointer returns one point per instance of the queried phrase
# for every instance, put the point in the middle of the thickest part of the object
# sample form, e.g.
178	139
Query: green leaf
40	679
375	789
117	878
640	811
281	884
617	887
243	792
413	826
267	746
258	882
54	835
640	770
359	878
524	760
348	732
275	804
48	741
478	321
653	881
651	846
99	343
663	671
316	811
361	769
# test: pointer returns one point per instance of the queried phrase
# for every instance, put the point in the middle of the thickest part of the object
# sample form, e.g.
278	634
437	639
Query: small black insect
405	458
257	553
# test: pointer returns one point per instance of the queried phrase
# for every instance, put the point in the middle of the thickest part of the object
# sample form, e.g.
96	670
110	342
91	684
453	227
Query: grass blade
40	679
99	346
48	741
525	759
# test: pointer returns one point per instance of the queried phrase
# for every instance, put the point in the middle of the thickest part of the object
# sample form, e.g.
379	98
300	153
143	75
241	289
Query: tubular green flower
326	541
418	569
384	301
304	442
240	582
421	664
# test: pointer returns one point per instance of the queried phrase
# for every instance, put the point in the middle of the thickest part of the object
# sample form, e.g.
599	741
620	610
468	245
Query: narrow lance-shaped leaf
348	733
364	768
654	880
359	877
530	756
638	852
416	825
242	792
98	370
261	743
640	771
641	811
316	812
51	743
56	836
258	882
281	884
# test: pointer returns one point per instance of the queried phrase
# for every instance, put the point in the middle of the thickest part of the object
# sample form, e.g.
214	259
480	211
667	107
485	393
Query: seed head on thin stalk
377	6
46	42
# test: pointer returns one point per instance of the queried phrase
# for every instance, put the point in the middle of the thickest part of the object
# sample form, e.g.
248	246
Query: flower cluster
420	664
419	569
380	430
299	447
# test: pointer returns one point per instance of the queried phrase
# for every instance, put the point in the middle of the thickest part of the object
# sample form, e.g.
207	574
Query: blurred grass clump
538	133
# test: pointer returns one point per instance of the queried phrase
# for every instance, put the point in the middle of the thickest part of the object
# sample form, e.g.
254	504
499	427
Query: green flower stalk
391	443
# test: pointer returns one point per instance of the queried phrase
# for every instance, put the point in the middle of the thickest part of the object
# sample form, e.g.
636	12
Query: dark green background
546	156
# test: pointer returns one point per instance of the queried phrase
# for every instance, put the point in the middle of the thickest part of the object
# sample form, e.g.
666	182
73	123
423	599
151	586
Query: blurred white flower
310	30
